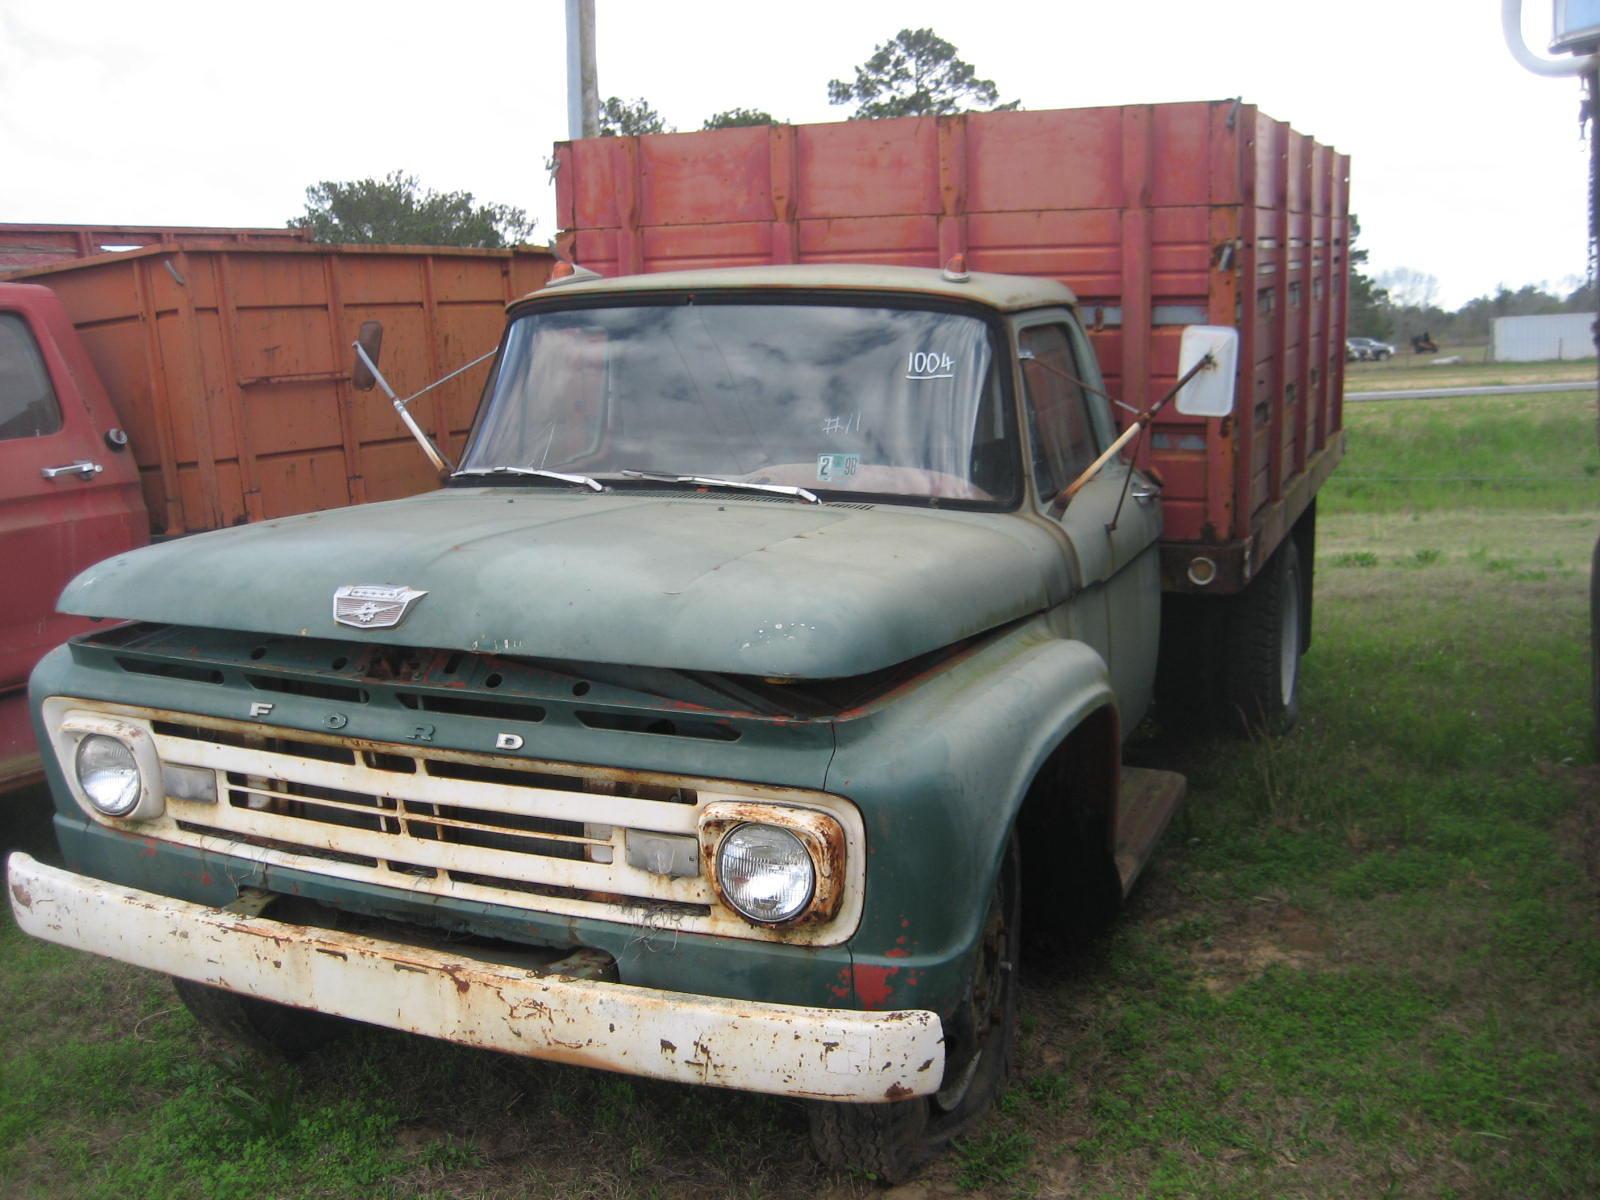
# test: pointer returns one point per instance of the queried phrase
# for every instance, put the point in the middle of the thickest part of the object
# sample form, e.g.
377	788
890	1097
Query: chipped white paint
837	1054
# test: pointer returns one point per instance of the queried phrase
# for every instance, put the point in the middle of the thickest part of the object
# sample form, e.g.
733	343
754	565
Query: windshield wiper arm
708	481
594	485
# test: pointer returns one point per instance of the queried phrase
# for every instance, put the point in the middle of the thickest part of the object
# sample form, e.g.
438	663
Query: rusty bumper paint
834	1054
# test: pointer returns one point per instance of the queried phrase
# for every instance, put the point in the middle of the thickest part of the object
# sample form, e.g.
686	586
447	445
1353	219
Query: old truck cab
726	716
69	495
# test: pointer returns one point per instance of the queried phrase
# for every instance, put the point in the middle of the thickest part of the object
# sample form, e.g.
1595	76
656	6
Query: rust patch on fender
874	985
21	896
898	1091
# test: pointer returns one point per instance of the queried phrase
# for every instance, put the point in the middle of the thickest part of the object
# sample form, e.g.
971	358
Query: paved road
1499	389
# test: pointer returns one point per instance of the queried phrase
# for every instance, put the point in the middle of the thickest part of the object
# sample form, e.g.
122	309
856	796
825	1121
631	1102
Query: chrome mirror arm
440	463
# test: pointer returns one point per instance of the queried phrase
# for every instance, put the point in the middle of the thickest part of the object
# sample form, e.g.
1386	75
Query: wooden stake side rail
1157	216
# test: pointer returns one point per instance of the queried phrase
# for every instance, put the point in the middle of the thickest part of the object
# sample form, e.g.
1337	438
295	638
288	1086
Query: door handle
1144	493
82	467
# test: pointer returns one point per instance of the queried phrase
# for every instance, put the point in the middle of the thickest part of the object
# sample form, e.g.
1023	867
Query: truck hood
692	582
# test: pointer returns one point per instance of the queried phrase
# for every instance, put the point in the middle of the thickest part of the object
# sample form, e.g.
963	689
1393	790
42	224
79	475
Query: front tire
1265	639
890	1141
275	1028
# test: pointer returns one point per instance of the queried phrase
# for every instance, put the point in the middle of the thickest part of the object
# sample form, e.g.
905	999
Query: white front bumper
834	1054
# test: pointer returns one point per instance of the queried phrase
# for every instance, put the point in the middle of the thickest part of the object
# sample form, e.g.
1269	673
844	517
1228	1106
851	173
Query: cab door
69	495
1069	424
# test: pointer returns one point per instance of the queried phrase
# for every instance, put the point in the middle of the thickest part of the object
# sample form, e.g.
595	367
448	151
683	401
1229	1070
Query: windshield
833	398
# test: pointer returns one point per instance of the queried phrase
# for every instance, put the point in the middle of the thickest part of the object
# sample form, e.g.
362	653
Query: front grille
431	821
440	823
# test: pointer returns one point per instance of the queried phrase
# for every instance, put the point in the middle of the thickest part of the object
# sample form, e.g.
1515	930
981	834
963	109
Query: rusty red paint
874	984
842	989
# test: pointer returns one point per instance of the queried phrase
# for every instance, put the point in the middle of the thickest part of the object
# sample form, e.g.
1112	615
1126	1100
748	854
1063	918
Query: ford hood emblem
373	606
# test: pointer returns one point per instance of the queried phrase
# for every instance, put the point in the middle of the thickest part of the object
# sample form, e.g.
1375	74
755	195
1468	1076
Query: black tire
276	1028
1265	639
1189	663
886	1141
890	1141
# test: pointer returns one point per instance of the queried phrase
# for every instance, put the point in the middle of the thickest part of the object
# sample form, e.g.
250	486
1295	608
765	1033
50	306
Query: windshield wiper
594	485
707	481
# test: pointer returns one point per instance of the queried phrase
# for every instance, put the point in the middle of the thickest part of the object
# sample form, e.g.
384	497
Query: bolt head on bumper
832	1054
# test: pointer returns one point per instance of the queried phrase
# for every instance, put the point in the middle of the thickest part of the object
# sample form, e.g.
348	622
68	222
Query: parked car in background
1361	349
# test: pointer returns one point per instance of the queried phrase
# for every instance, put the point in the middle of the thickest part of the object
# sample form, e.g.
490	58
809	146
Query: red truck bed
1157	216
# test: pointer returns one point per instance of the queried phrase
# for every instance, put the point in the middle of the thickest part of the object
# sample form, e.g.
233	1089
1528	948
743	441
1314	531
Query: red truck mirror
1210	392
370	340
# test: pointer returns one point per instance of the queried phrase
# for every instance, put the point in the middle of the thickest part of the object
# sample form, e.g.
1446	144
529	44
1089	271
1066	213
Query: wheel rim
1289	638
988	1000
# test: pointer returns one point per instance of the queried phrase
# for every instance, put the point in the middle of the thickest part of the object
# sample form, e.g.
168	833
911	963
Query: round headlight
108	774
765	872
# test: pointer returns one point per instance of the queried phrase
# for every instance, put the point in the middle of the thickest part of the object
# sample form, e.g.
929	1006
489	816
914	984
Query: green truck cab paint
621	684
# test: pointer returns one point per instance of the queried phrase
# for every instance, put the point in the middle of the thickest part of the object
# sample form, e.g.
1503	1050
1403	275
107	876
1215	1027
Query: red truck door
69	496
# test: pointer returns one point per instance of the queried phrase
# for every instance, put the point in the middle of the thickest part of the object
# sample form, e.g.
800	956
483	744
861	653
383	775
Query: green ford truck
760	674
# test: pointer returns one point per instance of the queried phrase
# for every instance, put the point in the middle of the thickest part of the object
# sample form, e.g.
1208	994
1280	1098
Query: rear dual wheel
1265	639
889	1141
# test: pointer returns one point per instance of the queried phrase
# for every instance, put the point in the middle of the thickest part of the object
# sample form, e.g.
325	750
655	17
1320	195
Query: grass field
1365	963
1408	370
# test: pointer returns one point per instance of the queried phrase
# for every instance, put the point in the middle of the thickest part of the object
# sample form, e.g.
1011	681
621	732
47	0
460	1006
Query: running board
1149	798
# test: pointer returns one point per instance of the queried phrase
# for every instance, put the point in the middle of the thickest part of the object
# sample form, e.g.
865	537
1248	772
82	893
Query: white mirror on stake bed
1207	392
1207	360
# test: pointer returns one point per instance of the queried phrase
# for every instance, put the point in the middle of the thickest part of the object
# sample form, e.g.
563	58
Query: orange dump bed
228	364
1157	216
26	246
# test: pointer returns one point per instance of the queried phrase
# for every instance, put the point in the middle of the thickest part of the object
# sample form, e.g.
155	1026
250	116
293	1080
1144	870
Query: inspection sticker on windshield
929	364
832	468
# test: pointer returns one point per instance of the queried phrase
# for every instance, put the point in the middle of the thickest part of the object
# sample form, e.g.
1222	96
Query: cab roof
1007	293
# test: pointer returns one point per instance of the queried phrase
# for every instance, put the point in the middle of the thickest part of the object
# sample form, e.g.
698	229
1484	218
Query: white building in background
1537	339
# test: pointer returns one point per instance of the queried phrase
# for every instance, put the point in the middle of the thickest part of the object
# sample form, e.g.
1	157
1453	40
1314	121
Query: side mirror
1210	392
370	339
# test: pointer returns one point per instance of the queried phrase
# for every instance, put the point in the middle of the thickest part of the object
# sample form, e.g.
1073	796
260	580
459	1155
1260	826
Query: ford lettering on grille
373	606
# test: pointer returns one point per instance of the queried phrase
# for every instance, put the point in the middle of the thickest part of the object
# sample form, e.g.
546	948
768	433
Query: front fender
939	771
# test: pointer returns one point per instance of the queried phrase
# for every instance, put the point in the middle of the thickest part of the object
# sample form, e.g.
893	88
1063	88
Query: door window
1060	428
28	406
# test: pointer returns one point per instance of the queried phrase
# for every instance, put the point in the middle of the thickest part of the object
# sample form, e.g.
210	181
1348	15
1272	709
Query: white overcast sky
1463	165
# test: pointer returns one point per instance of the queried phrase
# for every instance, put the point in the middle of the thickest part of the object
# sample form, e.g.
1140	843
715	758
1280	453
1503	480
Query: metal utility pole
1575	29
583	86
